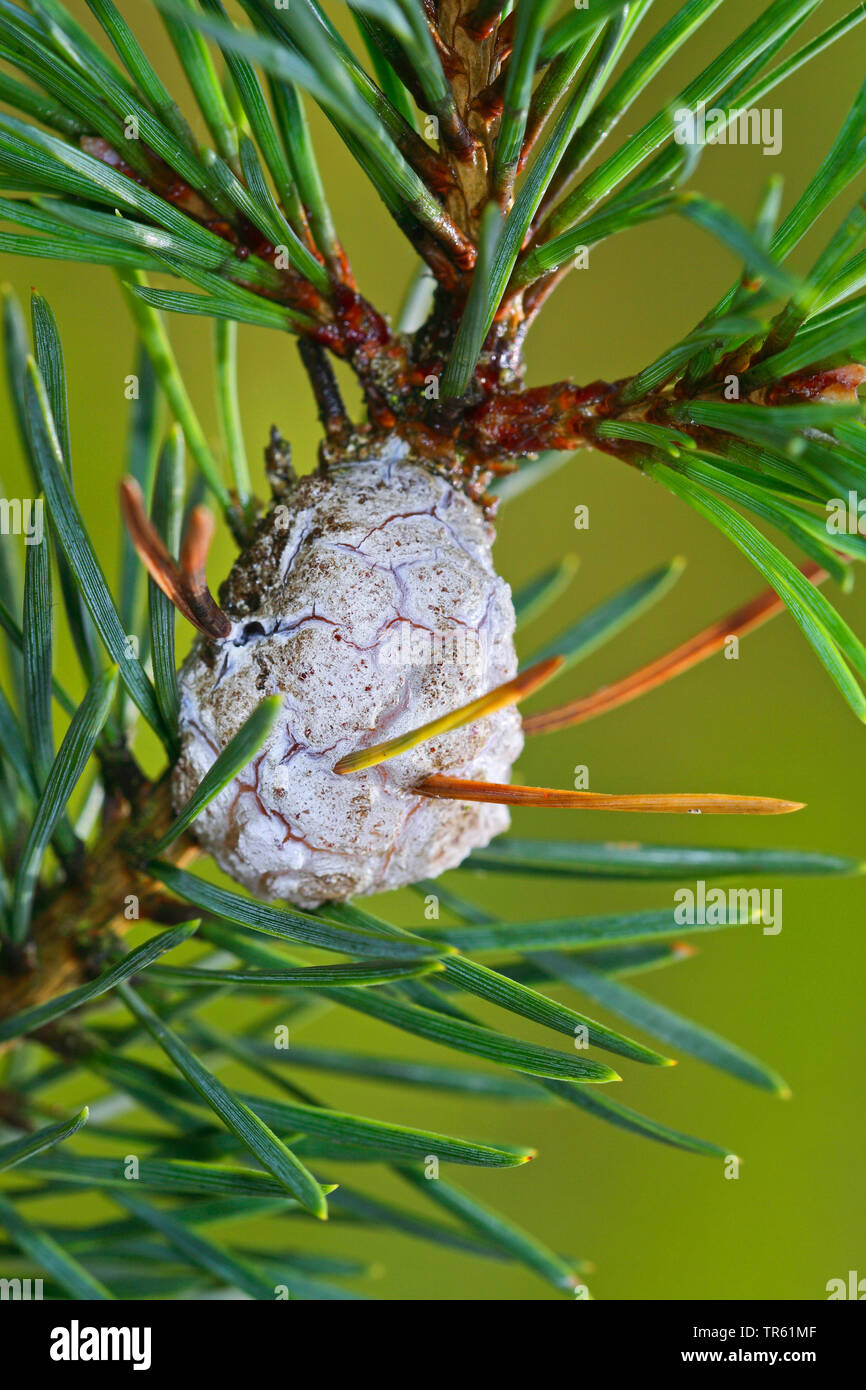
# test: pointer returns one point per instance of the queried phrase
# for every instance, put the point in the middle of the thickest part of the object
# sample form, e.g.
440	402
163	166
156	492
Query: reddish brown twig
332	412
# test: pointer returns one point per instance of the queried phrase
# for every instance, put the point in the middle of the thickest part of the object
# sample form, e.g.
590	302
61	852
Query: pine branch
475	131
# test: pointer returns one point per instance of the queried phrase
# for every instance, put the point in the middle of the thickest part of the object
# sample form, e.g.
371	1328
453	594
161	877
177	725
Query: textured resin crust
369	602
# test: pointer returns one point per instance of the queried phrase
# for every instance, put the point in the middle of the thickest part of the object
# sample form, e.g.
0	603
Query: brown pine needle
704	644
522	685
196	544
185	584
676	803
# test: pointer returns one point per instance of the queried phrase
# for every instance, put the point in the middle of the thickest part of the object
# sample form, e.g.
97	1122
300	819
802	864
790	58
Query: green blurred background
657	1223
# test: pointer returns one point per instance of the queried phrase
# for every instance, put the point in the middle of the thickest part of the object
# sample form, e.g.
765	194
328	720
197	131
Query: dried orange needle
507	694
682	658
676	803
185	584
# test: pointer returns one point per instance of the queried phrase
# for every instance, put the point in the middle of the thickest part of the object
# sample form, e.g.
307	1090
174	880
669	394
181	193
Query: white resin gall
369	603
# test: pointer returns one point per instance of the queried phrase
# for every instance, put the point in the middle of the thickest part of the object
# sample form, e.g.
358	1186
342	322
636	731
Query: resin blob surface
369	602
